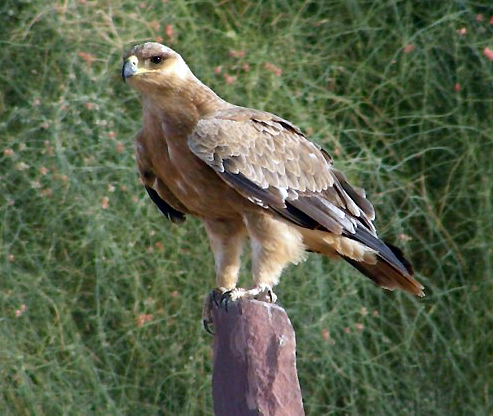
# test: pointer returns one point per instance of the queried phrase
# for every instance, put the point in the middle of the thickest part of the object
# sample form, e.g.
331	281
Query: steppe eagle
246	172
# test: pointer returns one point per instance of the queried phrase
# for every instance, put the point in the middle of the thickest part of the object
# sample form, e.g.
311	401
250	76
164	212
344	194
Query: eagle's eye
156	59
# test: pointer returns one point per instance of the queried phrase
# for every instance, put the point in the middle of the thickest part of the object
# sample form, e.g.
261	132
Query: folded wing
270	162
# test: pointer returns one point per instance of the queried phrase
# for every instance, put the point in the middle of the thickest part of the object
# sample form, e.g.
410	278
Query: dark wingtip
400	256
169	212
387	276
388	252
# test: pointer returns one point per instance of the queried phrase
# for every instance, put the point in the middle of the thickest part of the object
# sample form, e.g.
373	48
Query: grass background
100	297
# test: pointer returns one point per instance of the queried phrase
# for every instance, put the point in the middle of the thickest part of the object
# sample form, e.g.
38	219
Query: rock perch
254	361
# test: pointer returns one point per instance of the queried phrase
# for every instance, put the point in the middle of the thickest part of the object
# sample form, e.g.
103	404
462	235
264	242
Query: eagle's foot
264	294
221	298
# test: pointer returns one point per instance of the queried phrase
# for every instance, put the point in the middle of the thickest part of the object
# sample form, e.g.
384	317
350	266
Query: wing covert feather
270	161
263	150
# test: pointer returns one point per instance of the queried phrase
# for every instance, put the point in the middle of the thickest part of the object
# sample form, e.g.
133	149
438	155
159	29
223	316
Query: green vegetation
100	297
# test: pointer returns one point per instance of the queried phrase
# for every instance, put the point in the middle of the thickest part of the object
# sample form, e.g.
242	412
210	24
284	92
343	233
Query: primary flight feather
249	173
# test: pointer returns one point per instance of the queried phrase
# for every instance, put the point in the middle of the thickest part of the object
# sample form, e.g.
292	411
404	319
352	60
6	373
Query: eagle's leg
226	239
275	244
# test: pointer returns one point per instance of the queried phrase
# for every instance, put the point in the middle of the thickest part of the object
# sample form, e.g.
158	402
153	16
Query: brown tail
391	269
388	277
384	264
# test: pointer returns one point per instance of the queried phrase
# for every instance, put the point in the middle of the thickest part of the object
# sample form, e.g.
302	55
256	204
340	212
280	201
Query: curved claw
272	296
206	324
210	300
213	297
225	299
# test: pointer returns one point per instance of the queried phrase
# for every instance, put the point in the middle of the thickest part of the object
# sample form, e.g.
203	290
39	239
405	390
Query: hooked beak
129	68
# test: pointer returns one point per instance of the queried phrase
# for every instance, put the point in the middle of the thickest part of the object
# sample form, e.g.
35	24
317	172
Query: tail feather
391	270
382	262
386	276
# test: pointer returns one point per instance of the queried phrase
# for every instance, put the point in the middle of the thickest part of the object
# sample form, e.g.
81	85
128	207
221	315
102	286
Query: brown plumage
246	172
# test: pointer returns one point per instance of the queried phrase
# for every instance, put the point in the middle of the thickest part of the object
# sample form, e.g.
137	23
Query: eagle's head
152	66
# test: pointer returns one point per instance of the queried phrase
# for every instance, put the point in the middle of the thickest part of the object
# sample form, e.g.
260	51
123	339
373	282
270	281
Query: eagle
250	174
